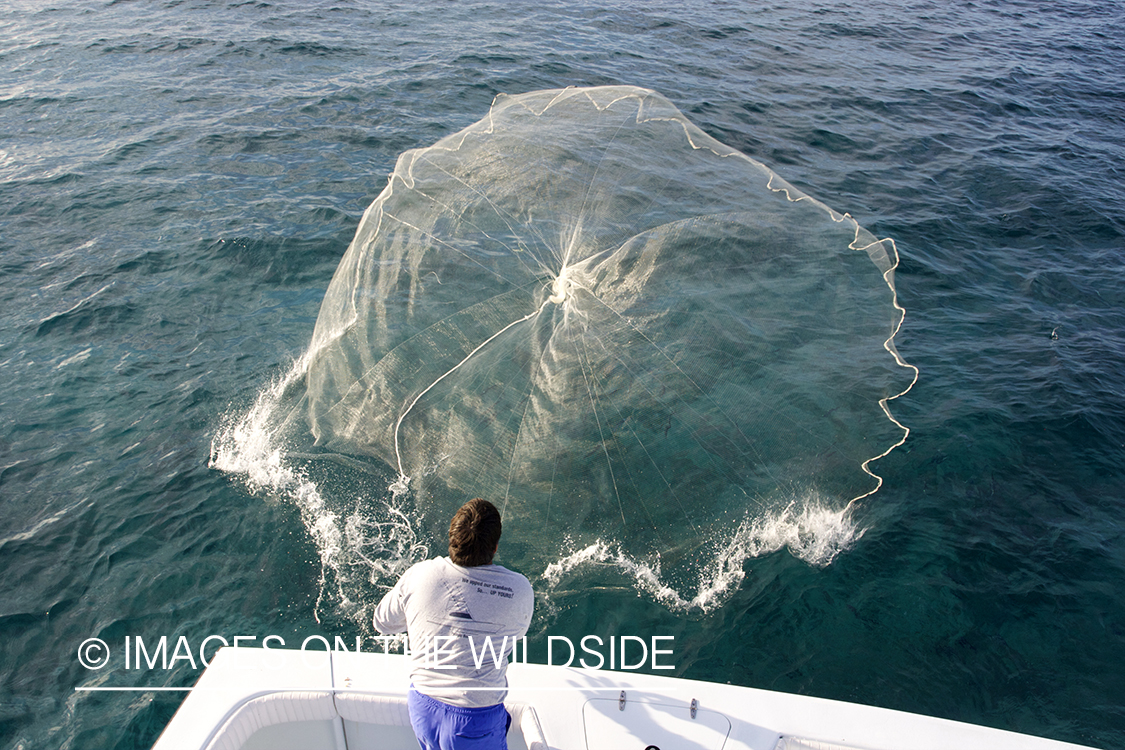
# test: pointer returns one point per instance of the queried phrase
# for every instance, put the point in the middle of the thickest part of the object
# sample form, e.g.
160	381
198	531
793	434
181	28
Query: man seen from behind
462	615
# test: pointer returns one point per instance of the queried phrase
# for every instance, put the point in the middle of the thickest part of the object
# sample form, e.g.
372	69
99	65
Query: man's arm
529	606
390	614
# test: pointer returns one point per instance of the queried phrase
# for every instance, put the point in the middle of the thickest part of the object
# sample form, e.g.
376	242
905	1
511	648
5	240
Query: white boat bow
272	699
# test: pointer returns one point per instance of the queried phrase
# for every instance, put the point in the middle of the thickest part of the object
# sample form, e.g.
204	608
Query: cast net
645	347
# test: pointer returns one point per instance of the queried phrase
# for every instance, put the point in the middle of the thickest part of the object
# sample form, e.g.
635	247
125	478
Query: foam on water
809	529
245	447
381	545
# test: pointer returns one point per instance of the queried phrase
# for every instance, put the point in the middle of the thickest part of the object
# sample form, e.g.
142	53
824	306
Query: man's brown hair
474	533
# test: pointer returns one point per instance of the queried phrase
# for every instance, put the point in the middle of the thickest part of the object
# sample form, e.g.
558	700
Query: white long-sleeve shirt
461	624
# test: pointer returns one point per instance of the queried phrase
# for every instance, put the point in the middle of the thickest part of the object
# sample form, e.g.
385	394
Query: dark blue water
178	183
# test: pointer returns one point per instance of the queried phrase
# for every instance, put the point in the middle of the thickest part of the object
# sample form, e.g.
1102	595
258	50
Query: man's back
462	622
462	616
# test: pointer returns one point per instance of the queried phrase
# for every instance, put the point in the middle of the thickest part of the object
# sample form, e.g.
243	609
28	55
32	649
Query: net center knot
561	287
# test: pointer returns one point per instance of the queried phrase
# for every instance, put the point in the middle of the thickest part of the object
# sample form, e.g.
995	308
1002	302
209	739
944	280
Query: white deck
258	699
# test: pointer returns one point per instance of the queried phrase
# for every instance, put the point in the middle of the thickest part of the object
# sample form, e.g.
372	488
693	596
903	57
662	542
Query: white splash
247	447
376	541
810	531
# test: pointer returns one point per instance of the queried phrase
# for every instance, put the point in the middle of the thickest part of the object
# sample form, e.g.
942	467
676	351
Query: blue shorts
440	726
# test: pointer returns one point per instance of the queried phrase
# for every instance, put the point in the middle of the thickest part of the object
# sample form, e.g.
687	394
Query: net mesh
616	328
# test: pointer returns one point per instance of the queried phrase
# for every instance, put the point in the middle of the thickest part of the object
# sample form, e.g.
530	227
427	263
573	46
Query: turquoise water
179	182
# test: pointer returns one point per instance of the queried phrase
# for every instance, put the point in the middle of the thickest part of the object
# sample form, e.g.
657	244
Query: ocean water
179	181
